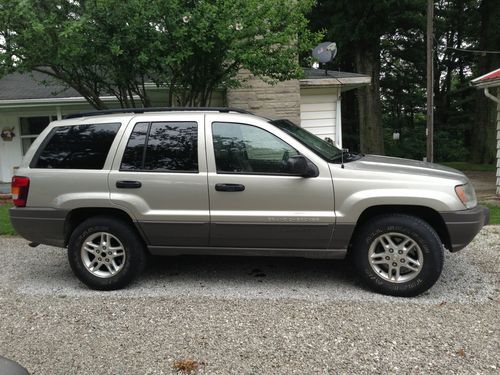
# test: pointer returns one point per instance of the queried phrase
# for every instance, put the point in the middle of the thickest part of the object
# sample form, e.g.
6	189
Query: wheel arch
79	215
432	217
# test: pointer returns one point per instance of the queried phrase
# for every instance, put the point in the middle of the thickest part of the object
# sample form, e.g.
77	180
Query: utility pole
430	81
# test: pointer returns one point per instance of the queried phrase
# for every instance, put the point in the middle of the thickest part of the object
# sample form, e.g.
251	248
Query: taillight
20	187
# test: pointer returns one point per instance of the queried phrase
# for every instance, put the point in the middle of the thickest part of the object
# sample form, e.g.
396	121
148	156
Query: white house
486	82
28	102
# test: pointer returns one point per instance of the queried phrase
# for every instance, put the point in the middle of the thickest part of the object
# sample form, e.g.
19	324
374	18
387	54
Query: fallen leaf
186	366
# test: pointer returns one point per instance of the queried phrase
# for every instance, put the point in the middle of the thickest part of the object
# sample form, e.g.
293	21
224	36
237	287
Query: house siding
318	111
11	152
498	142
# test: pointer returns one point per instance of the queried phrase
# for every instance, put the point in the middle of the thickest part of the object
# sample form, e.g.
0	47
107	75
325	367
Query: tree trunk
484	127
369	105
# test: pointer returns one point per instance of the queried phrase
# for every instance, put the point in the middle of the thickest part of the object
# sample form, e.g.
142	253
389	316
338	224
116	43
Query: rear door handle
128	184
229	187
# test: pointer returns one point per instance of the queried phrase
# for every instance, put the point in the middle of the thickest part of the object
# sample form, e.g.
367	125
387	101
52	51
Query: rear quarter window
76	147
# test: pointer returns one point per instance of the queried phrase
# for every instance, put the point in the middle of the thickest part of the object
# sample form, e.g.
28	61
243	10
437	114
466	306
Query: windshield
324	149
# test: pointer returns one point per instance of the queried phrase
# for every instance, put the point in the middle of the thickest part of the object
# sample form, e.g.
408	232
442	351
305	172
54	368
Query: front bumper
464	225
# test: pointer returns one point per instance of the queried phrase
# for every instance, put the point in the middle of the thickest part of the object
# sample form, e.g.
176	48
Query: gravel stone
248	316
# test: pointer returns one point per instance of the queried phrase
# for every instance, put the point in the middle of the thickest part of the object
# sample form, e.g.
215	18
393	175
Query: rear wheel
105	253
399	255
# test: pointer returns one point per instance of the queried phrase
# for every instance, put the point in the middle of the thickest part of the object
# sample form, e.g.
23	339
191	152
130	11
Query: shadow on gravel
256	269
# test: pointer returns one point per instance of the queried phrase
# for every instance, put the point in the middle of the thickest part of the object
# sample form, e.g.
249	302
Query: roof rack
157	109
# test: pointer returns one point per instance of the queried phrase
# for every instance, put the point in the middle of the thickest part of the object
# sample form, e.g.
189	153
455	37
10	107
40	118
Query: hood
388	164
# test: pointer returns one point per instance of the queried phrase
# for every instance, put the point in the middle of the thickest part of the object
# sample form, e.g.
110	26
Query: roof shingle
33	85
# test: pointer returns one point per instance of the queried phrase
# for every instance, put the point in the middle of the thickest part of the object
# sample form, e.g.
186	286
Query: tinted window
77	147
243	148
162	146
133	157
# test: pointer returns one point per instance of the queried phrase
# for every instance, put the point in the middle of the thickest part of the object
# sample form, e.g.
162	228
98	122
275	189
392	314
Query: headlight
466	194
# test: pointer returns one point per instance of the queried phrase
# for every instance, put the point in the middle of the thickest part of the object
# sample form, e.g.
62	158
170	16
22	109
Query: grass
494	213
464	166
5	226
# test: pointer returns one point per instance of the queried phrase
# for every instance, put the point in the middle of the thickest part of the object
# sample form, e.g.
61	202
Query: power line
472	50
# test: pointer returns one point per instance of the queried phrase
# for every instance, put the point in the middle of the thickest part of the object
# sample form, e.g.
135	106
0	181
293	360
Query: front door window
247	149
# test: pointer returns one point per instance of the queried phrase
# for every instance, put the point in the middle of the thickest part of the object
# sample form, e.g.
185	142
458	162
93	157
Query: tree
463	117
403	88
484	124
191	47
358	27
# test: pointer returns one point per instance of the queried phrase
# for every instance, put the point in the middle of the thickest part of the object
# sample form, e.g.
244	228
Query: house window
31	127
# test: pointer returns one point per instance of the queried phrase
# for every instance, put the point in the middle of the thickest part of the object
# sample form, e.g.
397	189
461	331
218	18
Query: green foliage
5	225
396	29
411	143
359	28
189	46
464	166
494	212
364	21
403	80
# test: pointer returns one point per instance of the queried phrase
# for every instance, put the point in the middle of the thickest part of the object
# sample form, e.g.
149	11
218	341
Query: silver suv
113	187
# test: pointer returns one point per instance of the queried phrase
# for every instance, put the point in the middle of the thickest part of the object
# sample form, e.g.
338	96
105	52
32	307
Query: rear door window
162	147
76	147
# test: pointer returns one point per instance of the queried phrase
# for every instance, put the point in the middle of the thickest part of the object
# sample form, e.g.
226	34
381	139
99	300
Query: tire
100	266
398	255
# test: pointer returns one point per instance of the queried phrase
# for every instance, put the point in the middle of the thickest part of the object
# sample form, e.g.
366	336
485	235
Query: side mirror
299	165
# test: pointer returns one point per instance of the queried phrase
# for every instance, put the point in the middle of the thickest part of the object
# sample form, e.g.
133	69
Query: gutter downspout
490	95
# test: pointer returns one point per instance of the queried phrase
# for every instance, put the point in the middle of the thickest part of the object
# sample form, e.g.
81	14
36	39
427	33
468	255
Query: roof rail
156	109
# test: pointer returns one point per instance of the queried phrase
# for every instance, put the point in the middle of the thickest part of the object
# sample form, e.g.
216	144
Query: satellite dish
325	52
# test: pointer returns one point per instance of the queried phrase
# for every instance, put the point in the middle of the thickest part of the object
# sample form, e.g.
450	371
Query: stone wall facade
276	101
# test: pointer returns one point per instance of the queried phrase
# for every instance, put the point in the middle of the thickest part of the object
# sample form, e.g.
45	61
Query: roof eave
488	83
346	83
42	102
478	79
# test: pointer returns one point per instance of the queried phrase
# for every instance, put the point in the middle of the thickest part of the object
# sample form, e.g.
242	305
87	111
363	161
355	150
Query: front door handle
229	187
128	184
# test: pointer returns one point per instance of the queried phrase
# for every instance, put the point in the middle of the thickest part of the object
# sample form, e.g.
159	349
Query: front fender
349	209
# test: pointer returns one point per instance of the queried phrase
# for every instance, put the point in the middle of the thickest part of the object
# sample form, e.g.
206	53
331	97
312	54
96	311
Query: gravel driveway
248	316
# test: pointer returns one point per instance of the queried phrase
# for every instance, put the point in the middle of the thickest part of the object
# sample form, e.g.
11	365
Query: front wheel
105	253
399	255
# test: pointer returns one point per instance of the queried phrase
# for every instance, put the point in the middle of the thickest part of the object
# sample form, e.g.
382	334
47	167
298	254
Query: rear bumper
464	225
40	225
